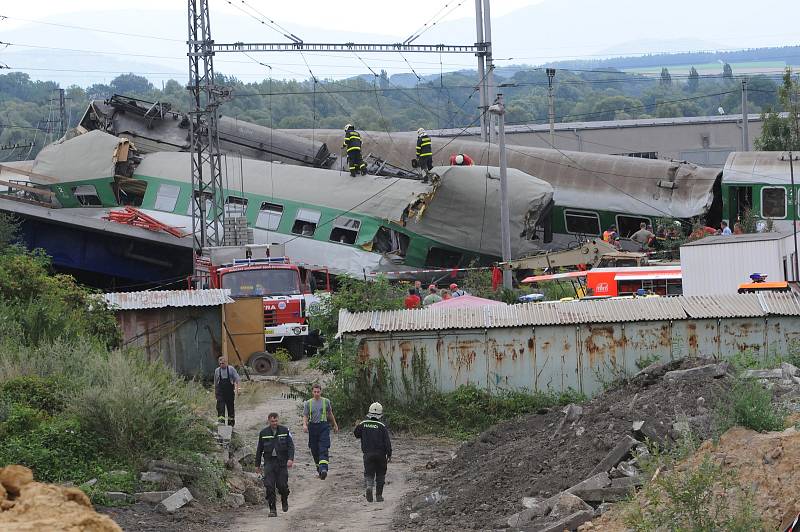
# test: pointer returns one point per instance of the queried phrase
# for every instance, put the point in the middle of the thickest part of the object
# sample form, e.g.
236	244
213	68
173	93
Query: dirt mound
541	455
26	505
764	464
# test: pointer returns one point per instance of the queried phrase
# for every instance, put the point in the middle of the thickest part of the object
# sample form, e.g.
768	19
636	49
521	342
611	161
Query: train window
582	222
442	258
305	223
235	206
345	230
167	197
773	202
209	204
390	241
627	225
87	196
130	191
269	216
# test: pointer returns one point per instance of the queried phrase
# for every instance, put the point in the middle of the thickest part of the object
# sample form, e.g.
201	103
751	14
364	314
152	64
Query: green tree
693	82
727	72
779	133
666	78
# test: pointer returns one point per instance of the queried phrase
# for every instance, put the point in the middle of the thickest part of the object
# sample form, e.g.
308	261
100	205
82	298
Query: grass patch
749	404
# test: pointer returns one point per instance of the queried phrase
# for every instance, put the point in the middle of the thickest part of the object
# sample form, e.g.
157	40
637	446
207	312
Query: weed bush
749	404
39	393
462	413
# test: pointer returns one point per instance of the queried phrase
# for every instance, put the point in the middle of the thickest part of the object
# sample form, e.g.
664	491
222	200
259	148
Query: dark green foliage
48	394
780	133
749	404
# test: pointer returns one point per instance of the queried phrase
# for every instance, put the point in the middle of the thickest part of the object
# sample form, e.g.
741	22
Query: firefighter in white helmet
424	151
377	448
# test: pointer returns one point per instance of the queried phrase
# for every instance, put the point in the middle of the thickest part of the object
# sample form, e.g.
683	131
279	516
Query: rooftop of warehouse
574	312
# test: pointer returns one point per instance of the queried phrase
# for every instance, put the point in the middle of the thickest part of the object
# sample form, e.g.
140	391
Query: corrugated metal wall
185	338
721	268
559	357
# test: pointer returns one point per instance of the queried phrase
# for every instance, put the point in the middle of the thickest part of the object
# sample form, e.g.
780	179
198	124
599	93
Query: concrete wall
185	338
706	144
560	357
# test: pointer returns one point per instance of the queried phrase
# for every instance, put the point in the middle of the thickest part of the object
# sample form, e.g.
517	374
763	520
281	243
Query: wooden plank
32	190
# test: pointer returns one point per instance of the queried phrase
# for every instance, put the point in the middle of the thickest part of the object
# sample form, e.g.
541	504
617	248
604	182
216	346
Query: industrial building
557	346
703	140
719	264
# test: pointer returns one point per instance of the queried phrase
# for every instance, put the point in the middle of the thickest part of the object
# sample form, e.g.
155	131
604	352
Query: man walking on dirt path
377	449
277	447
226	388
317	420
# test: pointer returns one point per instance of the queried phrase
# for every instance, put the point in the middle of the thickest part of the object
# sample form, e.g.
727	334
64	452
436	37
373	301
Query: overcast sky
524	32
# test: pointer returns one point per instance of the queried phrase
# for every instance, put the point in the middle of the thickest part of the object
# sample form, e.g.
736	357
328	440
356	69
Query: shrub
40	393
749	404
139	412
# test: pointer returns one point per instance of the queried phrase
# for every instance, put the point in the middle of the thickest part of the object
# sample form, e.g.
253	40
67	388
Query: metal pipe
745	135
491	90
505	231
794	213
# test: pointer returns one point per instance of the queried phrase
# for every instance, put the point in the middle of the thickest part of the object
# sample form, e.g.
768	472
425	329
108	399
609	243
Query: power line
98	30
431	23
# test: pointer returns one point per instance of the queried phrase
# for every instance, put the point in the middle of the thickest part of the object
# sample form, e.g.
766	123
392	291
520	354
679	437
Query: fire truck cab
263	271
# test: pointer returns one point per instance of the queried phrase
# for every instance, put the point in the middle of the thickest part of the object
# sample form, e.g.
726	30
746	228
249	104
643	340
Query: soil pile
764	464
26	505
541	455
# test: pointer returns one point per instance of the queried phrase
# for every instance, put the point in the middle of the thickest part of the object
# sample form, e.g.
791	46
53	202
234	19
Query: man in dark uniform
352	143
226	388
377	449
277	447
424	151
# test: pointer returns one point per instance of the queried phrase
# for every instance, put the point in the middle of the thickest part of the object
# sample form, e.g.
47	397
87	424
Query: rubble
584	453
177	500
153	497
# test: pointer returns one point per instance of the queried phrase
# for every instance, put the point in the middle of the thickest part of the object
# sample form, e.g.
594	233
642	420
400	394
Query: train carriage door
740	199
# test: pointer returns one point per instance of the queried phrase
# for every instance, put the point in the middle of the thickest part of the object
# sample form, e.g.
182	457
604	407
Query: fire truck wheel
296	347
264	363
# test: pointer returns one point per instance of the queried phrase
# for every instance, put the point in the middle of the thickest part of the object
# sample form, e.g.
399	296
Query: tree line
28	108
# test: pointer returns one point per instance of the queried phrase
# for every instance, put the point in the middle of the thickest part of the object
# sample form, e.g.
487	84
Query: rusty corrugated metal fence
579	345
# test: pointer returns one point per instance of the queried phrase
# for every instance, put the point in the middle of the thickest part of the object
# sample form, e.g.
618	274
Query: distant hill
788	54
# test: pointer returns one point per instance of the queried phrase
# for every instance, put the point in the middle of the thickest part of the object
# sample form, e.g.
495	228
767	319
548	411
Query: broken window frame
164	200
585	215
638	221
267	213
235	205
306	216
453	261
344	226
785	203
399	242
84	203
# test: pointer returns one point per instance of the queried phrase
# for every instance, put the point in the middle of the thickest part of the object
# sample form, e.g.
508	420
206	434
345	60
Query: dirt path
338	502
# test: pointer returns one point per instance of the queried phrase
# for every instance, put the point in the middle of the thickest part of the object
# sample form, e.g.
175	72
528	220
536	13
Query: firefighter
352	143
226	388
424	151
377	449
275	444
317	420
461	159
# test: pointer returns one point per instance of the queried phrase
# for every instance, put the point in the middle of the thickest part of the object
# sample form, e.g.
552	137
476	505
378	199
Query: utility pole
745	136
491	90
505	231
62	114
206	165
794	214
551	112
481	67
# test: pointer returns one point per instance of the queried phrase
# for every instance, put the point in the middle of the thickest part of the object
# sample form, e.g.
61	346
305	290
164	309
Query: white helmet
376	409
459	159
420	132
348	127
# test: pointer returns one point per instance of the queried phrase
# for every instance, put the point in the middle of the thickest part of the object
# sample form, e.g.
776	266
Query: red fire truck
263	271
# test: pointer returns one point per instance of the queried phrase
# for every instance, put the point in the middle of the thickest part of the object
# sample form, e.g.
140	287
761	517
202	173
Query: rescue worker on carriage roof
352	143
424	151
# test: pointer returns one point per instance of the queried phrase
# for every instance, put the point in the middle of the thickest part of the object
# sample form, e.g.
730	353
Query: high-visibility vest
352	141
424	146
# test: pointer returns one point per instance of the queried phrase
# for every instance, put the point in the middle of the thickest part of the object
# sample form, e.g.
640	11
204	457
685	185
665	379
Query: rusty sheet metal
167	298
723	306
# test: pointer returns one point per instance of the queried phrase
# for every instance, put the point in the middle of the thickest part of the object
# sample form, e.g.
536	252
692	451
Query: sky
524	32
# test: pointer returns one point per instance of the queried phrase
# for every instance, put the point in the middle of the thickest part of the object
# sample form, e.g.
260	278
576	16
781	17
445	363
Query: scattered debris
175	501
153	497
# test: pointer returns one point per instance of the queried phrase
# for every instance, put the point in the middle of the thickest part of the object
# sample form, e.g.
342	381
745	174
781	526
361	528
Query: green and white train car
324	217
